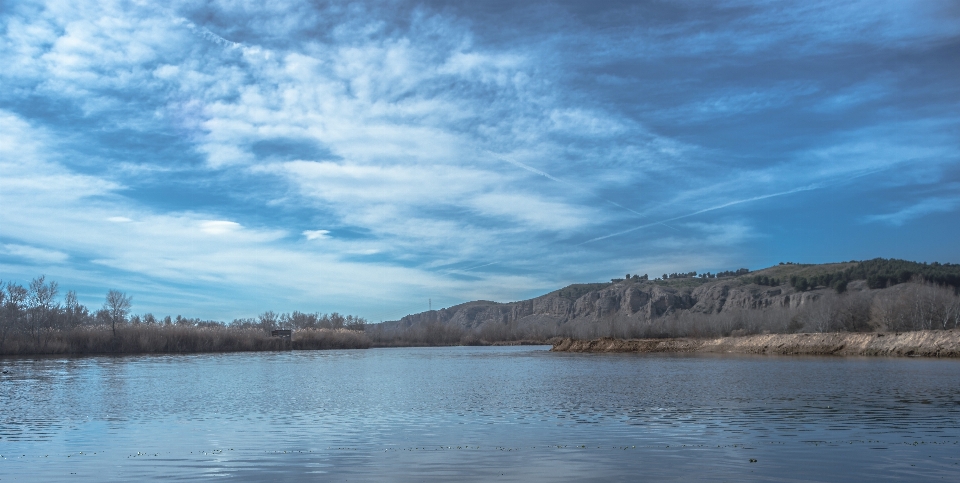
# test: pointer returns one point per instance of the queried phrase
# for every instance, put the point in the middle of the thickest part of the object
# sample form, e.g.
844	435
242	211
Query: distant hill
846	296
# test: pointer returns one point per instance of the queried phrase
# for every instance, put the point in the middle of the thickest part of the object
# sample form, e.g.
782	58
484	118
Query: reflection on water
511	414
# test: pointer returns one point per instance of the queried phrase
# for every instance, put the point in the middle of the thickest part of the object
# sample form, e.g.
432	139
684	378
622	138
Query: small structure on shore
285	336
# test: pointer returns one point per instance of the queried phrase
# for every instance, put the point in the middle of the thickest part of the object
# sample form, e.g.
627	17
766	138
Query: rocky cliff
619	308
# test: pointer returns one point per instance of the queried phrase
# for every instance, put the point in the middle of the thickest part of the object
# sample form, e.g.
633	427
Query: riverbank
152	339
927	343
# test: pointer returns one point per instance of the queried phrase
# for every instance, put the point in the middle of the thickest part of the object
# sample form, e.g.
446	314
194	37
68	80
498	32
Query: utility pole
430	303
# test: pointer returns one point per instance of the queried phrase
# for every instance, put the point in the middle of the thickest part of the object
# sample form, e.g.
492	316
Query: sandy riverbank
929	343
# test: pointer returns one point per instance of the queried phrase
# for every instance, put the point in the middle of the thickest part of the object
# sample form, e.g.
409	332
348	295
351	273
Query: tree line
767	281
297	320
33	319
878	273
705	275
883	273
678	275
836	281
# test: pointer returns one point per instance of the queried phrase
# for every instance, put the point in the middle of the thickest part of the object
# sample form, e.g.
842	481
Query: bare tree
11	301
41	305
953	314
886	311
74	312
117	307
918	307
11	311
852	312
337	320
820	314
268	320
355	323
42	294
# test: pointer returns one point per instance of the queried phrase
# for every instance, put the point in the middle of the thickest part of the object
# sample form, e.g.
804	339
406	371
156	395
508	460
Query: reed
319	339
146	339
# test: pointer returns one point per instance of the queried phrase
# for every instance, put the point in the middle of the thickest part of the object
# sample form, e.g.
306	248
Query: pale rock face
710	298
609	302
628	300
635	299
585	304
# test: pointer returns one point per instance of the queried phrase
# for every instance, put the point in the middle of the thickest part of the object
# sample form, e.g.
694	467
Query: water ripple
479	413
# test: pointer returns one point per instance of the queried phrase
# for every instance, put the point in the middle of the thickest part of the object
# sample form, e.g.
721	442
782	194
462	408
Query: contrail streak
474	268
668	226
558	180
452	270
705	210
205	33
479	266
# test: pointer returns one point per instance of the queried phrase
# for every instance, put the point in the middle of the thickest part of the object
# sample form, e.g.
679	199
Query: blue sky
219	159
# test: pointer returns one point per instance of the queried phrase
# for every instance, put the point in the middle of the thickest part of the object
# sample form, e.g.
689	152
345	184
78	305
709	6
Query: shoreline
926	343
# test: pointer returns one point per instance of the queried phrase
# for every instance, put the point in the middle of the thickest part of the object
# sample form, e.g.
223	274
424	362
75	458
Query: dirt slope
928	343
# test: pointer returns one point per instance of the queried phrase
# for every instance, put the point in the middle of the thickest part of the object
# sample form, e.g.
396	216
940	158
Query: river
478	414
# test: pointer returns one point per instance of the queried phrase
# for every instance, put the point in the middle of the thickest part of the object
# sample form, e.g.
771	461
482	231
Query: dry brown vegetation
146	339
32	321
919	343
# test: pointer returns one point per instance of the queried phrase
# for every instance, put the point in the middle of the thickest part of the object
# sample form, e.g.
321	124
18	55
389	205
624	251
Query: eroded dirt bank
928	343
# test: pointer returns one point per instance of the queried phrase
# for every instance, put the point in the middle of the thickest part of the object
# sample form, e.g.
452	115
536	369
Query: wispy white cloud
531	212
854	96
27	174
742	101
919	209
705	210
788	29
197	250
35	254
219	227
316	234
194	148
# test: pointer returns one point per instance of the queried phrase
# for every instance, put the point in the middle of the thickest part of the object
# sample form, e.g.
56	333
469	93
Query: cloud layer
228	158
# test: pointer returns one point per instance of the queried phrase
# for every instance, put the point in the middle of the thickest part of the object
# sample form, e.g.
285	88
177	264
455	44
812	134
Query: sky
219	159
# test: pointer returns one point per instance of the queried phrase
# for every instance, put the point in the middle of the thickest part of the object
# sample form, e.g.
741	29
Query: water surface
489	413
